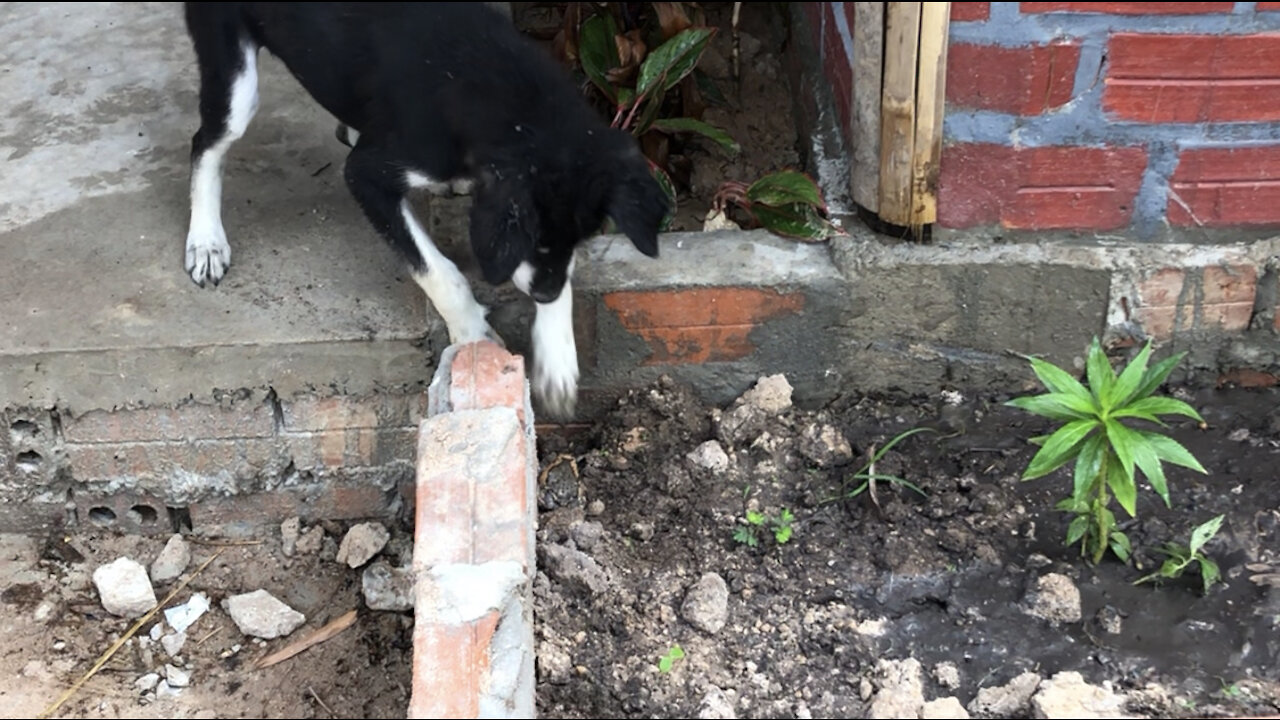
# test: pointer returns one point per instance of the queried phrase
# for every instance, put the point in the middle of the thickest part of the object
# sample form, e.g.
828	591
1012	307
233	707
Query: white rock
717	220
1067	695
771	394
901	693
173	642
943	708
184	616
1055	598
709	456
124	588
155	632
715	705
172	560
706	606
44	611
176	676
361	543
387	588
147	682
165	690
260	614
1005	700
311	541
947	675
289	531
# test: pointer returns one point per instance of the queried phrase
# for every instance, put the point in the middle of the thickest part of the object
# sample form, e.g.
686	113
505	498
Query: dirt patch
971	582
756	109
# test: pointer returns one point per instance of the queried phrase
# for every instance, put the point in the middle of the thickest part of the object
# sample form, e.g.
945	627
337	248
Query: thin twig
331	628
208	635
737	69
317	697
106	656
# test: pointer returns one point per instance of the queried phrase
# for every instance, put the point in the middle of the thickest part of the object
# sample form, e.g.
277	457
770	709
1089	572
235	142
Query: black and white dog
446	96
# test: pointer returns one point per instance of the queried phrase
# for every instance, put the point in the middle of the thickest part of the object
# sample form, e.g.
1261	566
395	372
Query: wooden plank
868	71
935	21
898	111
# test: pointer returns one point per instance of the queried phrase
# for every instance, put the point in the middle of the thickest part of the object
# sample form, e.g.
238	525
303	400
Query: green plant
651	93
787	203
1180	556
666	661
779	525
868	475
1107	452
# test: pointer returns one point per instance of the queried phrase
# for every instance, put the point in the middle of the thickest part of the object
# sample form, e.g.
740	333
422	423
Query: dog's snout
544	295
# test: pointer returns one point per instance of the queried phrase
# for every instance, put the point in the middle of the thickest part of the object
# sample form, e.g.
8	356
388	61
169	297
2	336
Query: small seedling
666	661
1180	556
1106	451
780	525
868	475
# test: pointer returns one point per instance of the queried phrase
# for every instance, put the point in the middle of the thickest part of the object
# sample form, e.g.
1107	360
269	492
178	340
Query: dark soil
945	578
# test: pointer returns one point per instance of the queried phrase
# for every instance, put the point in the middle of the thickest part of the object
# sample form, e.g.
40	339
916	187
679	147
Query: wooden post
868	71
898	111
935	20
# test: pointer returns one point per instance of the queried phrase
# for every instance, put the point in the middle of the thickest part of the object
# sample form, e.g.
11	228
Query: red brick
193	421
450	665
329	500
1226	186
1025	80
1039	188
1177	300
1130	8
154	460
969	11
483	375
699	325
351	447
349	411
1193	78
1248	378
1268	6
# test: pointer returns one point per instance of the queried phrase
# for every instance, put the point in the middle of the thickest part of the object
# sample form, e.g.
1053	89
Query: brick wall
1149	120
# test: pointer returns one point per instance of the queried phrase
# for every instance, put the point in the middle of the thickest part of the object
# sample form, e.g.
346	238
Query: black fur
448	90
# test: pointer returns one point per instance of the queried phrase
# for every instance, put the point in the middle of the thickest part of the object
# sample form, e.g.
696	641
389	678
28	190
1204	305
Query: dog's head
536	208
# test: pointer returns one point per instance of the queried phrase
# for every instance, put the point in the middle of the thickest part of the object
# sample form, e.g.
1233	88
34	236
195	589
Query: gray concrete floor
99	105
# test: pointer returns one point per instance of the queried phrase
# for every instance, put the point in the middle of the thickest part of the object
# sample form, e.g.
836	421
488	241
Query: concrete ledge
474	540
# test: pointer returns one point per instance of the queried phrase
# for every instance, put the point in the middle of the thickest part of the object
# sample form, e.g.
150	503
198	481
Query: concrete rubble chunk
387	588
1054	598
771	394
709	456
176	676
825	445
901	693
361	543
1005	700
147	682
172	560
184	616
706	605
124	588
173	642
716	705
289	531
311	541
573	567
1067	695
942	709
586	534
260	614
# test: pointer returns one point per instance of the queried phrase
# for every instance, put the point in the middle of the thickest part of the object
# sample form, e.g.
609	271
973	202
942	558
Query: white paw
474	329
462	186
555	376
208	254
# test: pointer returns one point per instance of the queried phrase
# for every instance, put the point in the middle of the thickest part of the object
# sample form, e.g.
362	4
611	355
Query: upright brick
1061	187
1193	78
1268	6
1024	80
1129	8
1216	187
970	11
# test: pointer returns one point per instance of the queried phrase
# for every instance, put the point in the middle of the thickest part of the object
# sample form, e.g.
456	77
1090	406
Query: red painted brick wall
1147	119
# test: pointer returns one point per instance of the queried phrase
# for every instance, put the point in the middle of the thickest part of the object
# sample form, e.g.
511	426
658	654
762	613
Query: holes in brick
180	519
102	516
23	428
28	460
143	515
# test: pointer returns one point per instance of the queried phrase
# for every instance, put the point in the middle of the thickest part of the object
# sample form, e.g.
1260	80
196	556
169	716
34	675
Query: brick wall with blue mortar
1146	121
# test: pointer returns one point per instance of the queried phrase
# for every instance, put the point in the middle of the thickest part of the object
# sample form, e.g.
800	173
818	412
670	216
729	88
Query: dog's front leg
555	352
379	187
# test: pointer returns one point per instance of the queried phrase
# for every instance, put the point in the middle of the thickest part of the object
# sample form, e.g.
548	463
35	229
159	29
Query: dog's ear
504	227
637	203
